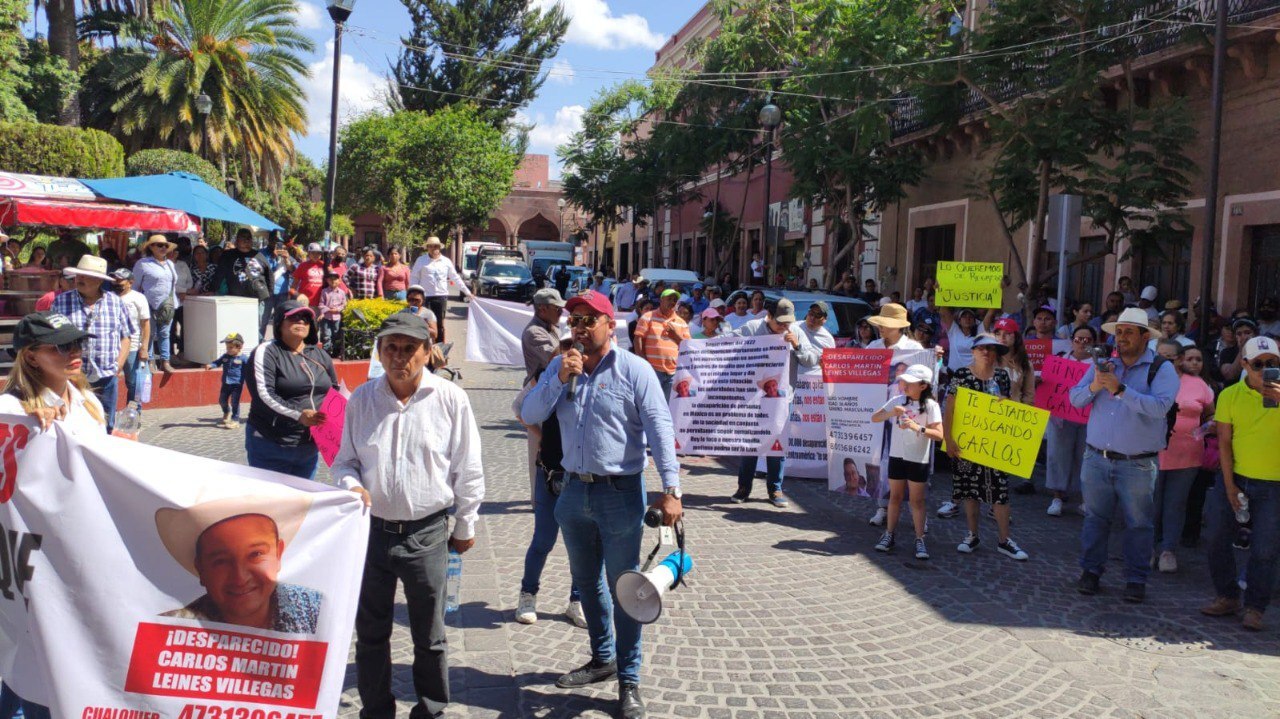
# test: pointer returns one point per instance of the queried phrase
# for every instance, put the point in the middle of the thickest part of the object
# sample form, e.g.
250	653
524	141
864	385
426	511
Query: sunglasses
299	317
68	348
1258	366
585	321
1082	340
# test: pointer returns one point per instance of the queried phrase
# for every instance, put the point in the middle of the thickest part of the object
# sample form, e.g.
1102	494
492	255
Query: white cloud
361	90
546	135
561	72
309	16
594	24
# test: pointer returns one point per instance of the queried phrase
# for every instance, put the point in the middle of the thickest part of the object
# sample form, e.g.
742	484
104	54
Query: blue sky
608	41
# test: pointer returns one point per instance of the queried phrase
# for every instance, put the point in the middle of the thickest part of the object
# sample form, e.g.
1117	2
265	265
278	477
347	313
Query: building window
933	245
1264	277
1168	271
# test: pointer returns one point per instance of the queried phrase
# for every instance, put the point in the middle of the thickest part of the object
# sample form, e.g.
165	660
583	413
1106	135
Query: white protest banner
152	583
731	396
859	382
494	328
807	430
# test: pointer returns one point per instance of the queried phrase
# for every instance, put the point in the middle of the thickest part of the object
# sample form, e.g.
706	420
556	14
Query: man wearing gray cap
780	320
541	338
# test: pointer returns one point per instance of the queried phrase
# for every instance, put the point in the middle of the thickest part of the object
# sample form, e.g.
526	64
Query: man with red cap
609	406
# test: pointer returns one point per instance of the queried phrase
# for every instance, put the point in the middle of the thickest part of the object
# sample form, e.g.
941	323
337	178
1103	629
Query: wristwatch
673	492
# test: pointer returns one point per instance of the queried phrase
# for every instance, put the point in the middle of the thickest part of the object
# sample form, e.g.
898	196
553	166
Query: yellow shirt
1254	430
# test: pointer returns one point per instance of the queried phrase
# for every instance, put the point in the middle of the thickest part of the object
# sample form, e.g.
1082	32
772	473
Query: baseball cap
672	293
1149	293
783	311
403	323
822	307
596	301
710	313
417	288
546	296
1045	308
697	285
233	337
124	274
315	247
1007	324
917	373
45	328
717	303
1258	346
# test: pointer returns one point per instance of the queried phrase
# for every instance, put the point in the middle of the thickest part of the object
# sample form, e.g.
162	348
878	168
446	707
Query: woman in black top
288	379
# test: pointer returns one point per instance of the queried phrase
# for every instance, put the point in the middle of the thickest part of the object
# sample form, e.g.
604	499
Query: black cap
1244	322
124	274
403	323
45	328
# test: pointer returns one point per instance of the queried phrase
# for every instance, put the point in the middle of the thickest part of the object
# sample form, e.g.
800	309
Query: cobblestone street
789	612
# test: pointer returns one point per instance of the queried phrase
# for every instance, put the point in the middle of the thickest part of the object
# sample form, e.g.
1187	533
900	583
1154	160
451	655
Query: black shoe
629	704
739	497
1088	583
1135	592
589	673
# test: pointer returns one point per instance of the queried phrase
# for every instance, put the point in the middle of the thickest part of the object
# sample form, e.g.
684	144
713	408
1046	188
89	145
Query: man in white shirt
135	303
433	271
813	326
757	269
411	449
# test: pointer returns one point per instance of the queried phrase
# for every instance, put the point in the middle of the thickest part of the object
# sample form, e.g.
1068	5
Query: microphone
573	381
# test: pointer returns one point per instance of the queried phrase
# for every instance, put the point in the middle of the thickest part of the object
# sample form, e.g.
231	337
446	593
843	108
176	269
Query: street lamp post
770	117
204	104
339	10
560	204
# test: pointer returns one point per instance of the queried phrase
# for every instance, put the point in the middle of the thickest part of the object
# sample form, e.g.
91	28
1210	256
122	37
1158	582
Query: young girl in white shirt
917	424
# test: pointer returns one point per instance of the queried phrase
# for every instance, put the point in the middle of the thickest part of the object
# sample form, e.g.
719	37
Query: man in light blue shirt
1130	396
624	298
608	403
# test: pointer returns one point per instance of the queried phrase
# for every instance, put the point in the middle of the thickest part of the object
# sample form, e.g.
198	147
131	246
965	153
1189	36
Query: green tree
61	151
485	51
244	54
454	167
159	162
14	76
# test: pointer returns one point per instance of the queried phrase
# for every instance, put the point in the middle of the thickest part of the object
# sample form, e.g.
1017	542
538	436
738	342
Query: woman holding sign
973	483
962	329
1064	447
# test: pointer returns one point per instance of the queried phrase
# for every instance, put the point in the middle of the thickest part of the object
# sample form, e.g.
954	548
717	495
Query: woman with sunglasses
1180	461
288	379
1064	448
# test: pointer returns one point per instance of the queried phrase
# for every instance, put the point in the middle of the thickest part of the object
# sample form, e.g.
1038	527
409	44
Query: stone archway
538	227
495	231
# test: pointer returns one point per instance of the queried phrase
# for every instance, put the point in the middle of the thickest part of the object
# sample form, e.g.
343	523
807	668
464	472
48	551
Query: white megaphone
640	593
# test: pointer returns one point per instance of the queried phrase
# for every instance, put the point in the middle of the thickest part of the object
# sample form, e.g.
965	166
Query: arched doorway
538	228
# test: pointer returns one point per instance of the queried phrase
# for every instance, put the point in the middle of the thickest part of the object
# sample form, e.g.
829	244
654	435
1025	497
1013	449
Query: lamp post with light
560	203
204	105
770	117
339	10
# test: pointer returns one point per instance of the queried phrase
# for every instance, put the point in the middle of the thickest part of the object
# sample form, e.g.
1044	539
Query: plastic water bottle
142	379
129	423
453	583
1242	514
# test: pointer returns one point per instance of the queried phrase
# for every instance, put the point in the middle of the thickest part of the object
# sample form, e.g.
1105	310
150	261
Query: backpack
1170	417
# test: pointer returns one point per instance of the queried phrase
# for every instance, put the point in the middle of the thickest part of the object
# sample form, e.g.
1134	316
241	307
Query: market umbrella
180	191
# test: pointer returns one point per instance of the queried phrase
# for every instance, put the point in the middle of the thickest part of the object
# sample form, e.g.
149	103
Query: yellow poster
970	284
997	433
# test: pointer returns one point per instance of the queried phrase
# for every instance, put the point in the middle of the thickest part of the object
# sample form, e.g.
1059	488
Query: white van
539	255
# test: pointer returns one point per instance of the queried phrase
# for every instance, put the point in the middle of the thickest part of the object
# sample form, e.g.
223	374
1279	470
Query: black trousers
420	560
439	304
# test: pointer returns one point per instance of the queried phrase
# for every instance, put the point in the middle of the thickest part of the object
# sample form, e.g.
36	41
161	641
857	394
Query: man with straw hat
433	271
104	316
1131	394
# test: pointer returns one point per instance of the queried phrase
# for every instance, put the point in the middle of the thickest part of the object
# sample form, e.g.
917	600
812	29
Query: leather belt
589	478
1108	454
408	526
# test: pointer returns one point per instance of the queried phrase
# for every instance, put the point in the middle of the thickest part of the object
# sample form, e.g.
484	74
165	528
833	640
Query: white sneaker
527	611
948	509
878	519
1168	562
1055	508
575	615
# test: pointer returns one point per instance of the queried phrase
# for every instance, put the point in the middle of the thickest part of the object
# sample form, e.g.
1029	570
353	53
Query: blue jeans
108	390
603	524
131	377
1264	544
329	330
264	454
1172	488
664	381
160	339
267	312
12	705
397	295
545	532
773	474
1064	455
1130	485
229	399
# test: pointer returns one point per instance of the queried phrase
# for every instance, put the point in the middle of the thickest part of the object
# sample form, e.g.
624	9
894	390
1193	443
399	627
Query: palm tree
241	53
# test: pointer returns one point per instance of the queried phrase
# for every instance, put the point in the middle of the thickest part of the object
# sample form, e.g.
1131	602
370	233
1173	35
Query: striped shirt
107	321
661	335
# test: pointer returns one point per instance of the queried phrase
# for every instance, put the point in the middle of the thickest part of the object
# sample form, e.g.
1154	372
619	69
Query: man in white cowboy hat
433	271
104	316
234	547
1131	395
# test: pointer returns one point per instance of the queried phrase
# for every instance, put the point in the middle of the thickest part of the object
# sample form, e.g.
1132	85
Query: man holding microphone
608	404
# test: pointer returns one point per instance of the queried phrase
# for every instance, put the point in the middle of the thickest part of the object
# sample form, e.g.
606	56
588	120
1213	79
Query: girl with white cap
917	424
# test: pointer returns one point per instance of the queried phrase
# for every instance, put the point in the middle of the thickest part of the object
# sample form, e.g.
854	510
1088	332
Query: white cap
1149	293
884	301
917	373
1259	346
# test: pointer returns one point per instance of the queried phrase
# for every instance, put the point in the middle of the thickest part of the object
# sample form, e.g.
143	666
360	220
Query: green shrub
158	162
358	332
59	151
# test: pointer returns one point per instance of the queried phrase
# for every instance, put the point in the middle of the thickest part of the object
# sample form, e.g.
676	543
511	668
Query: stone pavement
789	613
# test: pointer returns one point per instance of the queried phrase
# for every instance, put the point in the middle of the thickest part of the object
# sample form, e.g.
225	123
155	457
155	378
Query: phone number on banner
212	711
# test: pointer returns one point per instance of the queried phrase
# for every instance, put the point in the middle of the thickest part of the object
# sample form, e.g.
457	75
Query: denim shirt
156	280
1134	422
603	428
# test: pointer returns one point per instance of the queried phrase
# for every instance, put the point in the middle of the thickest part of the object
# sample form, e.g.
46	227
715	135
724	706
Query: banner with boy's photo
859	382
146	582
731	396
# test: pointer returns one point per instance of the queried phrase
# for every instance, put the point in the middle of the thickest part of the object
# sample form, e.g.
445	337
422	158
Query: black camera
1101	353
653	517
